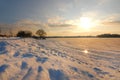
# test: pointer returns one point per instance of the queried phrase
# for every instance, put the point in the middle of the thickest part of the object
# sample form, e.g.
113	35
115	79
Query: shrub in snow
24	34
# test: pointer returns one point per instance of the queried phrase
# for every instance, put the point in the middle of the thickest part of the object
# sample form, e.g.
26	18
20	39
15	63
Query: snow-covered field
60	59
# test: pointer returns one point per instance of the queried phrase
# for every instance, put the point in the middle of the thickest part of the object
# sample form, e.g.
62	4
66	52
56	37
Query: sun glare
85	51
85	22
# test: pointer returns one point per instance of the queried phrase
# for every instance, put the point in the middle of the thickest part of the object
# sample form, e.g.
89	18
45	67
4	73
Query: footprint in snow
16	54
28	74
40	69
57	75
87	74
27	55
100	72
41	59
74	69
3	68
24	65
3	47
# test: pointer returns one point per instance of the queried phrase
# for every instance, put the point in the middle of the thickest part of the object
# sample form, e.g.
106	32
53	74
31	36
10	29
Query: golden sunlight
85	22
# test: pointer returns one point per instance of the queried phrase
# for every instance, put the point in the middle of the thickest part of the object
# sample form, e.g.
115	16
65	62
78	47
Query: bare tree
42	34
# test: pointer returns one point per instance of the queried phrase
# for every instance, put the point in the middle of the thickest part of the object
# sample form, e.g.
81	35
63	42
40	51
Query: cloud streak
60	22
60	25
112	23
23	25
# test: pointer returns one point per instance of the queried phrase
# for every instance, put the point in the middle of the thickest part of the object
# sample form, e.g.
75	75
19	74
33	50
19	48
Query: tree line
108	36
42	35
25	33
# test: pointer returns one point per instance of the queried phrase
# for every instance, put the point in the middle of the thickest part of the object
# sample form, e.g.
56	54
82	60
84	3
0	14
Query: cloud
53	25
64	7
60	22
60	25
111	20
102	2
112	23
92	14
55	20
112	17
29	23
24	25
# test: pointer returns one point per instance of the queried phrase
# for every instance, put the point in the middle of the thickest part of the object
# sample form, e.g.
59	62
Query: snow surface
59	59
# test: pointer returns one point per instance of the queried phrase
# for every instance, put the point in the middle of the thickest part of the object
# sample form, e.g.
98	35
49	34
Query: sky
61	17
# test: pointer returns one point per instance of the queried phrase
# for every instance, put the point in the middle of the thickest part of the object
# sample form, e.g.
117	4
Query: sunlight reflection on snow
85	51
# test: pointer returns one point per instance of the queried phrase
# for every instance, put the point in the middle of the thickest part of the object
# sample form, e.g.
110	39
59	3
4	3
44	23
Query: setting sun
85	22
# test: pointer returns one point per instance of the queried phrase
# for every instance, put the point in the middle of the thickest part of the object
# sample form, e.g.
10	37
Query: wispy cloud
102	2
64	7
111	20
112	23
23	25
112	17
60	22
51	26
55	20
60	25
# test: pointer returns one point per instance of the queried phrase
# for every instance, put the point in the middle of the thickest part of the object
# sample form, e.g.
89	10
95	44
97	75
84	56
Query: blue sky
61	15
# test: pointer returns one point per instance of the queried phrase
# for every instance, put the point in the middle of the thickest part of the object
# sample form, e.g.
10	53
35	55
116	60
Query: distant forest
98	36
109	35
